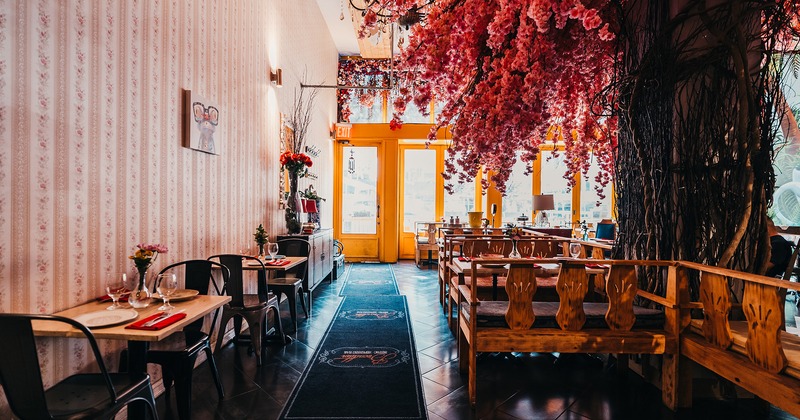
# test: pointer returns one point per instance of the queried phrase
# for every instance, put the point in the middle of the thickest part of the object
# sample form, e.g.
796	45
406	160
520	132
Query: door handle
378	213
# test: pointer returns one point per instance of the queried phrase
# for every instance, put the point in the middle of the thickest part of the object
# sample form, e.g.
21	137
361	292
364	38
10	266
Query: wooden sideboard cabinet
320	262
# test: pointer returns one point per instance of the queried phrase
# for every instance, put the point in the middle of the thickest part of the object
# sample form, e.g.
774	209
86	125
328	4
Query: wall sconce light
276	77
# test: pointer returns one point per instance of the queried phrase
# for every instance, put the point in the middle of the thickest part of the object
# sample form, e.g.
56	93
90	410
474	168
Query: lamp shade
543	202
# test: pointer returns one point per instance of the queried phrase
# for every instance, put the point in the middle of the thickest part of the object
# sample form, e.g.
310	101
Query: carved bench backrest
621	289
520	287
572	285
762	303
540	248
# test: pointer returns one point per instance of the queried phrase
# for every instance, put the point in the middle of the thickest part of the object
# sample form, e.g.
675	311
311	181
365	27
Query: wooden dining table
460	267
138	340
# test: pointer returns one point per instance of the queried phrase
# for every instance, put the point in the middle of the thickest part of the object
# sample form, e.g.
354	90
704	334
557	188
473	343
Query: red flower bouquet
296	163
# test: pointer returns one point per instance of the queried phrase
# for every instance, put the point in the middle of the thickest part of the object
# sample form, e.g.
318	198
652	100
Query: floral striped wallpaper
91	153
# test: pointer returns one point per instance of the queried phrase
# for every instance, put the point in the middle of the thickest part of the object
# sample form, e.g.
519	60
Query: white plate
106	318
183	294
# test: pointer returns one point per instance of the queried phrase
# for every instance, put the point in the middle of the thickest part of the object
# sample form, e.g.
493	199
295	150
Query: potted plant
261	239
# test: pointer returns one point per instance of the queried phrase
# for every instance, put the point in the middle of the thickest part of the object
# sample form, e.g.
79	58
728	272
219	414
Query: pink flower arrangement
510	79
146	254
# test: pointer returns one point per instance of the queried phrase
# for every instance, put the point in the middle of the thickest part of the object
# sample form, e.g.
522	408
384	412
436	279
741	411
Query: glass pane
460	202
594	209
519	194
363	113
553	182
419	191
359	190
785	210
412	114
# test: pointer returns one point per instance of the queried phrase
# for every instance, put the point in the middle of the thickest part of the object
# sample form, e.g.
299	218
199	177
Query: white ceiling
341	30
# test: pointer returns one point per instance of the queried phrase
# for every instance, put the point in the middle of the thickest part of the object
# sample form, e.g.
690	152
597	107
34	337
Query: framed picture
202	118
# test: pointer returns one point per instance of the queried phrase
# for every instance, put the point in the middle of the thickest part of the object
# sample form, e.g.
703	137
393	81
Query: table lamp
541	203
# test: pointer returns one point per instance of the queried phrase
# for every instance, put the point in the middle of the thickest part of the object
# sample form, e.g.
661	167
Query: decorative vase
475	219
514	253
293	225
140	297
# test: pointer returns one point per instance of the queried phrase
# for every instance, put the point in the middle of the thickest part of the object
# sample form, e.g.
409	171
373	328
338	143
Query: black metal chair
291	283
177	353
93	395
296	247
251	308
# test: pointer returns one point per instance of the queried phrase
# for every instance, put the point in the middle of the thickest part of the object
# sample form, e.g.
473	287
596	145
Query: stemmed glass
272	248
167	285
575	249
116	287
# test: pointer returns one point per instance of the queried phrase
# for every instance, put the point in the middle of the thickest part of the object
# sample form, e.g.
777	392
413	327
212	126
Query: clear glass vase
514	253
141	296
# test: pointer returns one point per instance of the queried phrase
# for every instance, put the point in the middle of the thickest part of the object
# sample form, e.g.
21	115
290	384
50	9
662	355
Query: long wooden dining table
138	340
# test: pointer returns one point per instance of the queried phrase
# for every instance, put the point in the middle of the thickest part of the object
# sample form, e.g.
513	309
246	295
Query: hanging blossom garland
361	72
508	72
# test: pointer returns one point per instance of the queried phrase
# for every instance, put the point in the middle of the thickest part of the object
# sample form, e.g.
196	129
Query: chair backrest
197	275
20	363
605	231
296	247
234	286
790	265
538	247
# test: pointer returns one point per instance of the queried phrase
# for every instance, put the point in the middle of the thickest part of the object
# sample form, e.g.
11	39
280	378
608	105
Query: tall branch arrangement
300	117
698	123
511	75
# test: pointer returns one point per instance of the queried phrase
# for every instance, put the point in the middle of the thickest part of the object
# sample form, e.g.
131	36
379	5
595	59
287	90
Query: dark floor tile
427	363
447	375
434	391
254	404
444	351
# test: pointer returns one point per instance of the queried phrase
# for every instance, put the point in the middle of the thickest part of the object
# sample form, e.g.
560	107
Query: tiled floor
511	386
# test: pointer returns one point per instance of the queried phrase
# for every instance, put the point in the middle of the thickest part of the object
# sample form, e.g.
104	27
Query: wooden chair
248	307
92	395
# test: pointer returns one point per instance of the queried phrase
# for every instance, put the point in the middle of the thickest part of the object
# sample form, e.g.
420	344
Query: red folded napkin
278	262
537	266
467	259
596	266
107	298
139	325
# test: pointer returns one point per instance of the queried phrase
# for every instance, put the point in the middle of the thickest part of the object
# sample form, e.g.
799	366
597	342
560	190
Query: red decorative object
296	163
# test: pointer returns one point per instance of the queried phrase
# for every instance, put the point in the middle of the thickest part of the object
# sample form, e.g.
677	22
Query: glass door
359	187
418	191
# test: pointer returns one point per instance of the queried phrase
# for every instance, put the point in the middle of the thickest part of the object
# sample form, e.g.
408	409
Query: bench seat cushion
492	314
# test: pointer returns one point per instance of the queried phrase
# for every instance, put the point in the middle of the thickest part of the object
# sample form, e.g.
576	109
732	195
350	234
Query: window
593	208
460	202
360	190
518	200
363	114
553	182
785	210
419	193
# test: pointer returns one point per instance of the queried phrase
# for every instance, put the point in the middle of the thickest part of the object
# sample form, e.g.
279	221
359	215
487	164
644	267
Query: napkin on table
278	262
139	325
467	259
107	298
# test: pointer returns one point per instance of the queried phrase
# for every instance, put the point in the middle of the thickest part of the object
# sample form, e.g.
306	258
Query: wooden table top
458	266
194	308
294	262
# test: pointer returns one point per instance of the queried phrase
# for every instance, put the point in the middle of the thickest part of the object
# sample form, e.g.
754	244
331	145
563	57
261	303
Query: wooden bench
755	354
571	325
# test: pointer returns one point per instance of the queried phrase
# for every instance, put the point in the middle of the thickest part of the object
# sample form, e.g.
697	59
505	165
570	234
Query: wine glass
116	287
272	248
575	249
167	285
